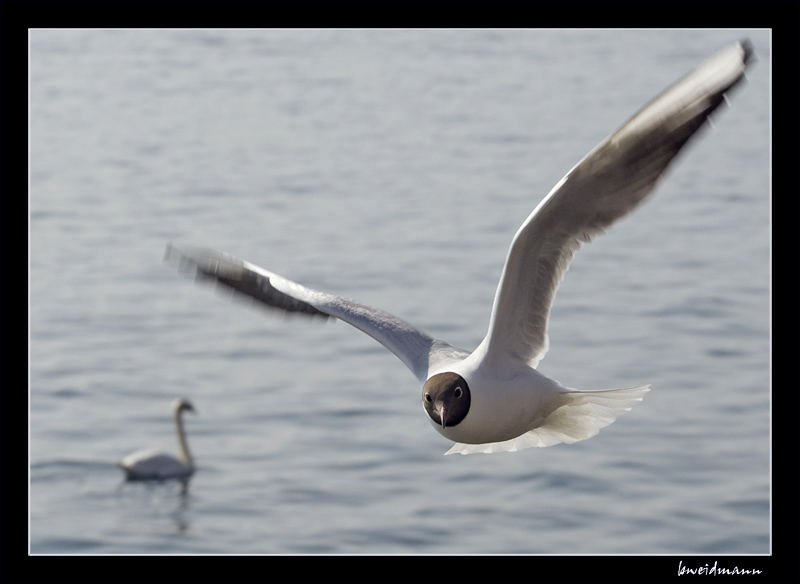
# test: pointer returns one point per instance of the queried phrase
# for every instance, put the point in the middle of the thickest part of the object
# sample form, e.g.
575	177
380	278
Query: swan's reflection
179	515
149	502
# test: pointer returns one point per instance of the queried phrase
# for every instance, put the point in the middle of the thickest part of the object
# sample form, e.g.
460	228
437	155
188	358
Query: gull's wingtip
175	256
182	260
749	53
231	275
200	261
169	253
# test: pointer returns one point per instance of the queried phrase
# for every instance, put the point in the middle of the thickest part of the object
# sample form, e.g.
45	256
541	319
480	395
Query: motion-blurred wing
416	349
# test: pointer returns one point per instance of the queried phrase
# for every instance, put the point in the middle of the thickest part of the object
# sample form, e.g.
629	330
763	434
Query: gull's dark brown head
445	396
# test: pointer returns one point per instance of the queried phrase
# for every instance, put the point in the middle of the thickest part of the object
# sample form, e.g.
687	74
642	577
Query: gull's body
492	398
156	465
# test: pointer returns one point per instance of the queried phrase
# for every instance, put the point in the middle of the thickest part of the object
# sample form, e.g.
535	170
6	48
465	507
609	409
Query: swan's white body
156	465
510	405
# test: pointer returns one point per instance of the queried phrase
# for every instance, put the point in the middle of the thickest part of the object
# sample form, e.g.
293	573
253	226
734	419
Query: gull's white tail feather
580	416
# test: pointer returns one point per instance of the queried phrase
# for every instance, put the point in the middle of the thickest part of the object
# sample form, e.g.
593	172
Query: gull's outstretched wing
607	184
413	347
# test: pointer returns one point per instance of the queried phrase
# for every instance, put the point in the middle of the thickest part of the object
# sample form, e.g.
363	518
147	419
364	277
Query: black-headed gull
493	399
155	465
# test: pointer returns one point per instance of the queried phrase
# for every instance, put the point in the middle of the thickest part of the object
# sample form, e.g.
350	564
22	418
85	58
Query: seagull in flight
493	399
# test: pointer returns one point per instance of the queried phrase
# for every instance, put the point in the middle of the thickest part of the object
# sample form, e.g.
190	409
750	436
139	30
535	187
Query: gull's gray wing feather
607	184
416	349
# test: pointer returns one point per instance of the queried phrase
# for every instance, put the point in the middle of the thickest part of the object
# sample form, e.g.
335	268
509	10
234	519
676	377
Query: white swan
155	465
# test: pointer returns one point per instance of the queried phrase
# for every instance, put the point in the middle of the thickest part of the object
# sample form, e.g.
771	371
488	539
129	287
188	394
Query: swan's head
446	398
182	405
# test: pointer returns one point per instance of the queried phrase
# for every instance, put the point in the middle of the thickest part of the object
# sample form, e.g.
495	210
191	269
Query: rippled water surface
392	167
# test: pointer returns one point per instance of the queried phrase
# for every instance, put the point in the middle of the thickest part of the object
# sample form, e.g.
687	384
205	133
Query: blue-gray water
392	167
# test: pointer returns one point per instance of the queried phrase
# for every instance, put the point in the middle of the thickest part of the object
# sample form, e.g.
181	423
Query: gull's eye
457	391
428	398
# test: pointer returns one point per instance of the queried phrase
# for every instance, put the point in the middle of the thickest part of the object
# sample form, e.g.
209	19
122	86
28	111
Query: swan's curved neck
183	446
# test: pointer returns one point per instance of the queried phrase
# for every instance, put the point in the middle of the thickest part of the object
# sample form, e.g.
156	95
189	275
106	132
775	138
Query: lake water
392	167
